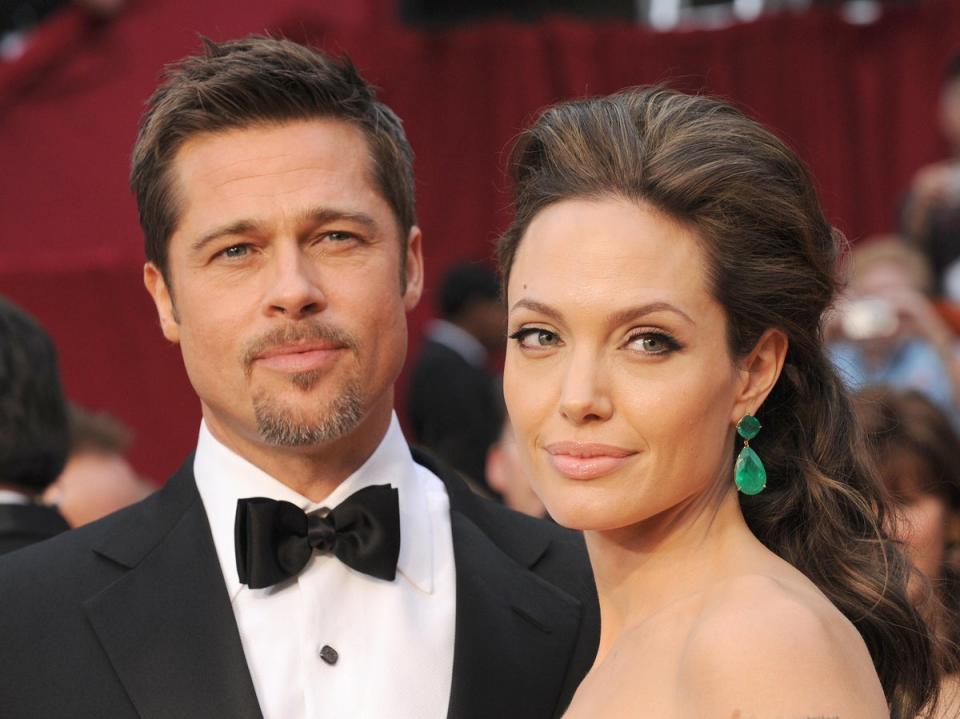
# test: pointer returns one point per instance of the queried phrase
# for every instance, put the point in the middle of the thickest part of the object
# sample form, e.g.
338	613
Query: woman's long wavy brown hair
773	263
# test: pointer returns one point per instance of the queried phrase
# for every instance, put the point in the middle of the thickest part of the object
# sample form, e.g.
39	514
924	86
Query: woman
666	272
918	453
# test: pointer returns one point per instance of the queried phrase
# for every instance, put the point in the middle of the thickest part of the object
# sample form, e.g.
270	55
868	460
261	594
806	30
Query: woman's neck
642	569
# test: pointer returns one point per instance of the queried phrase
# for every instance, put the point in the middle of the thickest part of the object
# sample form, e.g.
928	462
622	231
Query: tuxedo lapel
167	624
515	633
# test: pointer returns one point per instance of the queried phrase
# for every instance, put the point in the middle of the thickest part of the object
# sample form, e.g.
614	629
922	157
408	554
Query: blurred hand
918	316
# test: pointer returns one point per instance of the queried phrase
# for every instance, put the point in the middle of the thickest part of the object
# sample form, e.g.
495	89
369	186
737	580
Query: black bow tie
274	539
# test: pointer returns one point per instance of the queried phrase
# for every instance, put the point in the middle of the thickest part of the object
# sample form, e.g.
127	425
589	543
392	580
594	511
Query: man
34	434
455	404
276	196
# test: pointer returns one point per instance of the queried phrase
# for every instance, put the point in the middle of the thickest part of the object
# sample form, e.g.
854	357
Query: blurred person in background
917	452
931	213
885	329
507	478
97	479
34	431
19	18
455	403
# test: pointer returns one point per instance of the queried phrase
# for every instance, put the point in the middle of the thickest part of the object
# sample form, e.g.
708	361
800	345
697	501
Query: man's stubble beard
280	427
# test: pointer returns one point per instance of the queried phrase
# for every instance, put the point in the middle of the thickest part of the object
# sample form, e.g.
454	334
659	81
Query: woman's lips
578	460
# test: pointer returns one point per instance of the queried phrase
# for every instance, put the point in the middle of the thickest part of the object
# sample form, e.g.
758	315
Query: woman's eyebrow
631	313
535	306
617	318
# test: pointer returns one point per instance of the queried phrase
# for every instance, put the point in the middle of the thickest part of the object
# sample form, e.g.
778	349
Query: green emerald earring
749	474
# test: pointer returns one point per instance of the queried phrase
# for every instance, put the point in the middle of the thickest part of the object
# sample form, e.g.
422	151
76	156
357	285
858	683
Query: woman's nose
583	395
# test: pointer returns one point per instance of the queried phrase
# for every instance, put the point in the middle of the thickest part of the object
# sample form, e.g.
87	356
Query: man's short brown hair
259	81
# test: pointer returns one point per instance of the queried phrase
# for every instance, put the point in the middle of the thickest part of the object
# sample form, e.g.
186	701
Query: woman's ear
759	372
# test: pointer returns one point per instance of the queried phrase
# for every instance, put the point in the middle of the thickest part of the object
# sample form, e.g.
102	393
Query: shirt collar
9	496
224	477
459	340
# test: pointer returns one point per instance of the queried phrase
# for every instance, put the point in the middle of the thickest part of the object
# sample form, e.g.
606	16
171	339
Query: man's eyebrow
240	227
319	216
323	215
618	318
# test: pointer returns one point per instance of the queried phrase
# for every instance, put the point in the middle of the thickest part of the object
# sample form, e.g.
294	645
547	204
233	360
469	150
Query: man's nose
294	290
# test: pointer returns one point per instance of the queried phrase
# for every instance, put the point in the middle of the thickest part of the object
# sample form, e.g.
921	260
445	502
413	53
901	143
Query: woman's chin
583	517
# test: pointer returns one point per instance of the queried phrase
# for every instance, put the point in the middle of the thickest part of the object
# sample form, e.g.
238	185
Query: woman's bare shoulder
771	646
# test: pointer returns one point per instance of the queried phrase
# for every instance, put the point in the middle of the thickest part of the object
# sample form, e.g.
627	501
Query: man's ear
413	269
759	372
157	287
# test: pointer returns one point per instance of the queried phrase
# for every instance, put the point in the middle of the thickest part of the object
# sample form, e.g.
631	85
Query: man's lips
304	357
586	460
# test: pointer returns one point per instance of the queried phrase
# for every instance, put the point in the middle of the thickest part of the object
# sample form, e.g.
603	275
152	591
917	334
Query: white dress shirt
394	639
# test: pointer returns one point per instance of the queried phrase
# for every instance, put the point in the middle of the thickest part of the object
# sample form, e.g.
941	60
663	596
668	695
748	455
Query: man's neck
313	472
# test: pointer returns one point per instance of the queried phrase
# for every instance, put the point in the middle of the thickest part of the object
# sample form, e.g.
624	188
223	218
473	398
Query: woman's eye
654	343
534	337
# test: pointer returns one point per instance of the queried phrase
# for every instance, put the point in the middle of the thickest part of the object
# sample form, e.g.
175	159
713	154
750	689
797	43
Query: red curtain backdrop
857	102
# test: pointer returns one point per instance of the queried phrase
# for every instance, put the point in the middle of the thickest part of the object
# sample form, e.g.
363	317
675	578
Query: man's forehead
298	167
233	153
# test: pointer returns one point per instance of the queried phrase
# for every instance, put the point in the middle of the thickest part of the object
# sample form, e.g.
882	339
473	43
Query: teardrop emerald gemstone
749	474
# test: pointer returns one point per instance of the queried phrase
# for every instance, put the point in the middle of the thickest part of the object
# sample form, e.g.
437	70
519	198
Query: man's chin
276	383
285	422
306	381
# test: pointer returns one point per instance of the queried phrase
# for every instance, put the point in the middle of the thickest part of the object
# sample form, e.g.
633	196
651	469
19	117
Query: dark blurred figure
22	15
97	478
454	403
887	331
918	454
34	432
451	12
931	213
19	17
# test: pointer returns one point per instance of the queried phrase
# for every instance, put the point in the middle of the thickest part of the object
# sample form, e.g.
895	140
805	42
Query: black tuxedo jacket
129	616
25	524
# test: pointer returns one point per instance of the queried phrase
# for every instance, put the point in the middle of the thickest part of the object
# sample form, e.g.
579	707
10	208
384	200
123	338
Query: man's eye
535	337
338	236
235	251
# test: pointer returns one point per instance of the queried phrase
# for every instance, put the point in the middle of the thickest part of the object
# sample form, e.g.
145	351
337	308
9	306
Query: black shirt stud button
329	654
